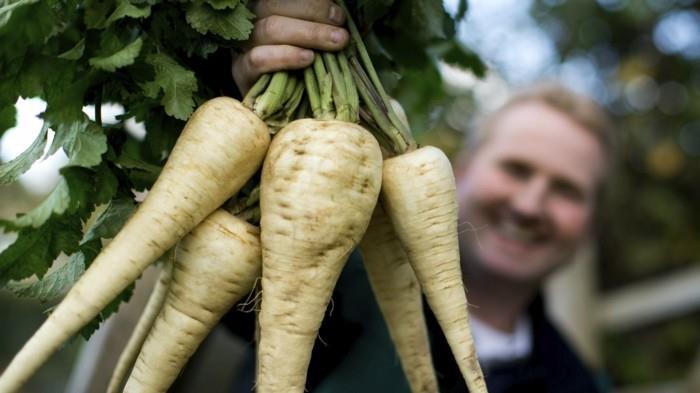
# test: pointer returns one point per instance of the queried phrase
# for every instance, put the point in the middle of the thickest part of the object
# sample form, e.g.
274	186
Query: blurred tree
646	53
646	56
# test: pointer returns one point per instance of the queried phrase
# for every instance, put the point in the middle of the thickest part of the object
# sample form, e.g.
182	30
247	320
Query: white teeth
517	232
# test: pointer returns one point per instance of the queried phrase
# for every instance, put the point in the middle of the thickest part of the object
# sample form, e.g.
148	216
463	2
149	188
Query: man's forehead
534	131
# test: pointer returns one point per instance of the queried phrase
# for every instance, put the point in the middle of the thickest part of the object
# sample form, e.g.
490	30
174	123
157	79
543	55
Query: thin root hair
331	304
470	228
466	291
252	302
325	344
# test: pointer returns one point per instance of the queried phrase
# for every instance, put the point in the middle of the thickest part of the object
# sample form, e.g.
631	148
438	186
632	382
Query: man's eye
516	169
568	191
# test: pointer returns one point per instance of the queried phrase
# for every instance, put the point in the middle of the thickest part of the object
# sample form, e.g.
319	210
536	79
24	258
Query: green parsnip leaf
371	10
30	78
110	309
25	24
142	54
8	118
106	185
55	283
131	163
63	107
185	38
231	24
425	19
96	13
125	9
124	57
57	202
75	52
223	4
458	55
111	221
70	193
106	226
35	249
461	10
177	83
84	143
55	226
8	7
10	171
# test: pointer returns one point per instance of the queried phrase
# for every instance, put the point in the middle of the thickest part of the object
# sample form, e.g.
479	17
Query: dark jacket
356	354
553	367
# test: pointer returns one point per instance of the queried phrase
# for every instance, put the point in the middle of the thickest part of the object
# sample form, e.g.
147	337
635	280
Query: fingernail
338	36
336	15
307	55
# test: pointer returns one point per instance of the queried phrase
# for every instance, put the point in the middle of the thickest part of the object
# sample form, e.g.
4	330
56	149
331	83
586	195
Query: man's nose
529	200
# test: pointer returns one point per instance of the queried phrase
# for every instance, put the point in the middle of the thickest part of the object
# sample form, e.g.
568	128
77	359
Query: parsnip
215	266
399	297
143	327
220	148
418	192
320	183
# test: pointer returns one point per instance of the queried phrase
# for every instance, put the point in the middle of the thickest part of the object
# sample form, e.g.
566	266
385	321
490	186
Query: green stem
257	89
253	197
294	101
364	80
342	109
251	215
272	99
98	107
285	115
292	85
385	130
312	91
362	50
350	87
325	86
374	77
246	205
371	124
302	110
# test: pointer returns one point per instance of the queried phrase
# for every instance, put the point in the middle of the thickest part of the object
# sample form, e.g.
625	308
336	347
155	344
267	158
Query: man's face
528	192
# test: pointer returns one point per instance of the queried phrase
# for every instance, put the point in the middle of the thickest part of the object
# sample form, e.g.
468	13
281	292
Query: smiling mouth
523	234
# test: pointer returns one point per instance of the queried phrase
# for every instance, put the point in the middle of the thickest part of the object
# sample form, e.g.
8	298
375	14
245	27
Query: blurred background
631	302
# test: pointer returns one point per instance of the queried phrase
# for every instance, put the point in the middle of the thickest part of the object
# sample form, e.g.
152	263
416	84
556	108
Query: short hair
583	110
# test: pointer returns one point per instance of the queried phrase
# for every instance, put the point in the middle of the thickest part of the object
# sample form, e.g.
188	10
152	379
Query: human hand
284	34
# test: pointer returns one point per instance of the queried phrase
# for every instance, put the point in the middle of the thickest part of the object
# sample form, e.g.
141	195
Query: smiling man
528	187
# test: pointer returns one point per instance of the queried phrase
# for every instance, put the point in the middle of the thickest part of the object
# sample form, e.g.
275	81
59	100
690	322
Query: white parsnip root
143	327
418	192
215	266
399	297
320	183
